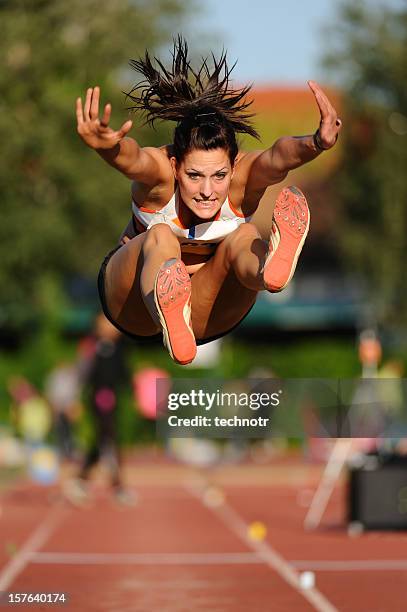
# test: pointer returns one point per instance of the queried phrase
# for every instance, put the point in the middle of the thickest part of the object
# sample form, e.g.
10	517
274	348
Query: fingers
94	131
87	104
325	107
313	86
327	111
79	111
91	108
321	98
104	122
94	104
317	91
330	125
126	127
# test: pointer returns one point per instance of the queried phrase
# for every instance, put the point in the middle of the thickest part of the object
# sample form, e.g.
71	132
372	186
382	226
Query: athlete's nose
206	188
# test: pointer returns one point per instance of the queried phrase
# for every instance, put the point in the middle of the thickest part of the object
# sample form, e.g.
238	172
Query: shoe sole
289	230
172	296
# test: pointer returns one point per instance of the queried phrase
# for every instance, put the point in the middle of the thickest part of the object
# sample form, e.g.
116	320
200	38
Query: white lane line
351	566
243	558
34	542
271	557
146	558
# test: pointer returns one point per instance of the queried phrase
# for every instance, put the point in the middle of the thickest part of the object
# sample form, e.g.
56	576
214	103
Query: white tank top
201	238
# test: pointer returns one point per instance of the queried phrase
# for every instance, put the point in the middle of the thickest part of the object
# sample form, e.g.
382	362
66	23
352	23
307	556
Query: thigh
122	289
219	300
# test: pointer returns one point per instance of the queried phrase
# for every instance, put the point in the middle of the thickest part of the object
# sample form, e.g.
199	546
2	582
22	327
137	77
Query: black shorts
155	337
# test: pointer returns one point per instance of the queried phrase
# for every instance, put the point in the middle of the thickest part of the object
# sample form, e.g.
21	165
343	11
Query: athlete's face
203	179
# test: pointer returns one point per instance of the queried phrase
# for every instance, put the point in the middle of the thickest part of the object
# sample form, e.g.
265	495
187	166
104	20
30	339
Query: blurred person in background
104	373
30	412
32	419
62	390
189	264
393	398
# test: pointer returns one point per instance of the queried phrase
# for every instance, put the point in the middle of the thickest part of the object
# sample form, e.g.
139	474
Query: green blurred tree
368	50
62	208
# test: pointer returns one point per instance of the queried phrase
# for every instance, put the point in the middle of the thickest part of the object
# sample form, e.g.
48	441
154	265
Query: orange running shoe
288	232
172	296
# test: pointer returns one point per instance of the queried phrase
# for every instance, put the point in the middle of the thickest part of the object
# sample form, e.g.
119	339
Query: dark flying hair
208	111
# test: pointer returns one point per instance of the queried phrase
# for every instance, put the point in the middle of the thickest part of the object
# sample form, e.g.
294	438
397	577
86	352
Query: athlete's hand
96	132
330	125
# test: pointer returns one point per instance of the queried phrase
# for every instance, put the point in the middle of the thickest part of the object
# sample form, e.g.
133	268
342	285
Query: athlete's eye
220	176
193	175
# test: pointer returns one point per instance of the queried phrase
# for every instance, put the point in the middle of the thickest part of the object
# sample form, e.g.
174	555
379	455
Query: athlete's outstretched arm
290	152
122	153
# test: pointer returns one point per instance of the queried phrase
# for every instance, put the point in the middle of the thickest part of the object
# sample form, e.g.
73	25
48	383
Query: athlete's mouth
205	202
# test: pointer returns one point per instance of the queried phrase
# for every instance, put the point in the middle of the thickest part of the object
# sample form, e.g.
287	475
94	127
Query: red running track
173	553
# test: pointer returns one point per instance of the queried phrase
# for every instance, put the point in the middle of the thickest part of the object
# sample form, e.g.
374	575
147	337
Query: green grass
304	358
289	357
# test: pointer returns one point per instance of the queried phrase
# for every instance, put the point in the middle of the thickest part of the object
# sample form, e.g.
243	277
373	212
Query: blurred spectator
393	400
104	372
391	373
62	390
30	411
370	352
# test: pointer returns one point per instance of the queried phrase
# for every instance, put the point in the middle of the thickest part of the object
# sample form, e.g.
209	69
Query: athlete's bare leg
225	288
130	276
245	253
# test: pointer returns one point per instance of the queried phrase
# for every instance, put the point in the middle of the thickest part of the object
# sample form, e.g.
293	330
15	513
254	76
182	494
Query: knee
243	232
159	235
246	232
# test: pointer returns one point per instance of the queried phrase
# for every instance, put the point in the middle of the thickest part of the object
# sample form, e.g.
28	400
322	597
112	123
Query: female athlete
190	263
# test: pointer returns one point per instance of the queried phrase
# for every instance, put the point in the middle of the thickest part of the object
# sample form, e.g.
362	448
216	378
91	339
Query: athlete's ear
173	163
